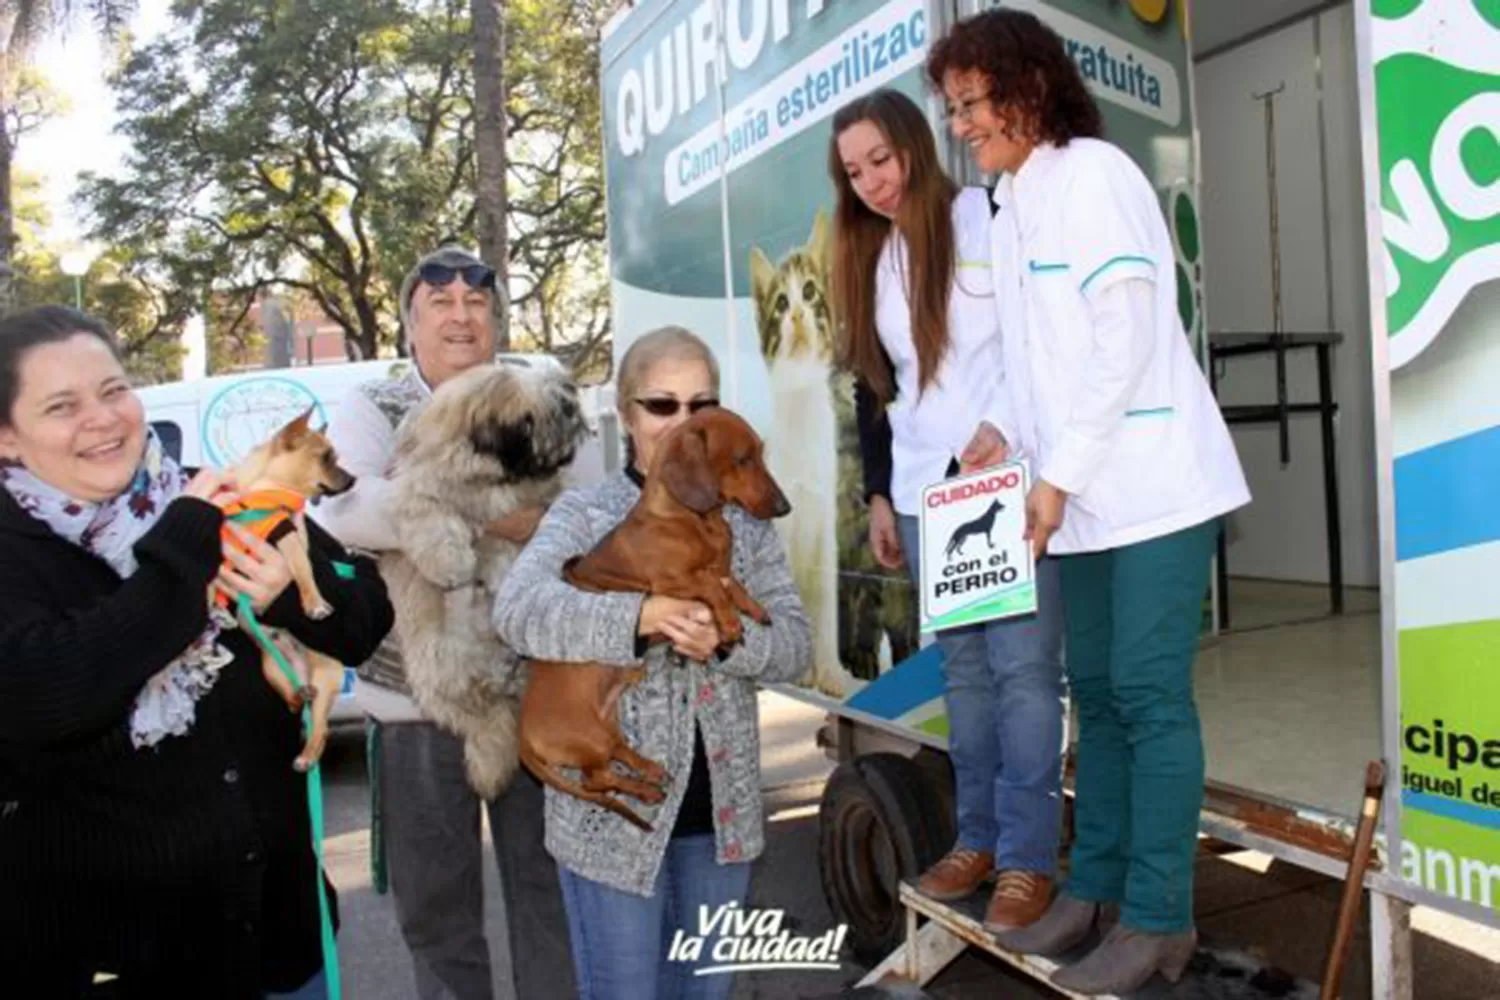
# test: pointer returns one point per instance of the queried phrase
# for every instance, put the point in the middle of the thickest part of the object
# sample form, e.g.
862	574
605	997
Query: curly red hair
1031	77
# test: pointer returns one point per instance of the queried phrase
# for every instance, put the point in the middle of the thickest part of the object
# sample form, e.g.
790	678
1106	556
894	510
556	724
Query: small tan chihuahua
272	487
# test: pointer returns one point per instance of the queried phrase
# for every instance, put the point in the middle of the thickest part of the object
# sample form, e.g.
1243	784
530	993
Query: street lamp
75	264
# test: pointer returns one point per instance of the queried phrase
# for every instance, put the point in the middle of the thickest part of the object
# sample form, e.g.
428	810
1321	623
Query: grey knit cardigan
541	617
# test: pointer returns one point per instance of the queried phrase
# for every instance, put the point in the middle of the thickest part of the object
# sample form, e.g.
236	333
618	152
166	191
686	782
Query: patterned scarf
167	705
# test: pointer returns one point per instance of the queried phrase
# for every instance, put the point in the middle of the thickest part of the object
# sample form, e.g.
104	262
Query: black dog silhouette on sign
984	525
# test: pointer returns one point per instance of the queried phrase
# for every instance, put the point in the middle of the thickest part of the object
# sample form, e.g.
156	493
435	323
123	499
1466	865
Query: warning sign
976	565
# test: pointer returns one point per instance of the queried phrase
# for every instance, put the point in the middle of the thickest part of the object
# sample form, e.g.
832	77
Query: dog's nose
780	506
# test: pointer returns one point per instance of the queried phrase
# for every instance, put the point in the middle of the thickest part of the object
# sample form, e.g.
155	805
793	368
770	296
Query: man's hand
1045	507
986	448
518	526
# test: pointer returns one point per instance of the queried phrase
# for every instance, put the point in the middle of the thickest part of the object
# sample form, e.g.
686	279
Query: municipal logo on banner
976	564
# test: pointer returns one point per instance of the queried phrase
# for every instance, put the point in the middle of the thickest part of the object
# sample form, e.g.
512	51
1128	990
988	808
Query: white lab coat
931	428
1105	395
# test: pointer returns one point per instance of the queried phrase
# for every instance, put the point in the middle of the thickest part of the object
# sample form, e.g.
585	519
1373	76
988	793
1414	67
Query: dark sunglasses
659	407
480	276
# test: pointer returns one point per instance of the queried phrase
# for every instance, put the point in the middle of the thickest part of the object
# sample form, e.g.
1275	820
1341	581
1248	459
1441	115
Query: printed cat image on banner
863	616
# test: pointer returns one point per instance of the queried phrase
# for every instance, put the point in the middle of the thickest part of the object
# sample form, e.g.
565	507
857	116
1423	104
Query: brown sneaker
1019	900
957	875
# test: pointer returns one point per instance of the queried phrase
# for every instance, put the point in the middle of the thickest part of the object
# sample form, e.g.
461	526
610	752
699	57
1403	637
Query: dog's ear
686	473
508	442
290	435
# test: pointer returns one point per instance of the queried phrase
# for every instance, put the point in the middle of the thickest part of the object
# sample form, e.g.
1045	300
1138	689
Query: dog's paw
318	611
832	683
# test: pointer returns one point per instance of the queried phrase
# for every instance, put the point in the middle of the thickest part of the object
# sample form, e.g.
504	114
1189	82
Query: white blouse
930	428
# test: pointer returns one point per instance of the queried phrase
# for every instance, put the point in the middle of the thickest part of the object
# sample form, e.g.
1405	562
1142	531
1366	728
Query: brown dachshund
673	543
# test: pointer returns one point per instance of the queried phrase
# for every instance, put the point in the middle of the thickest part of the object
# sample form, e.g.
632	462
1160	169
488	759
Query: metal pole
1269	97
78	292
1391	971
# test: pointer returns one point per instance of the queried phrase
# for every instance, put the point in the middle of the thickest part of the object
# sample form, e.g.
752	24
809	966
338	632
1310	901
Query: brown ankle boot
1019	900
957	875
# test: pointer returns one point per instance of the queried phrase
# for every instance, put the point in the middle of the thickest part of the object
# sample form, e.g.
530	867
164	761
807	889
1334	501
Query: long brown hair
924	219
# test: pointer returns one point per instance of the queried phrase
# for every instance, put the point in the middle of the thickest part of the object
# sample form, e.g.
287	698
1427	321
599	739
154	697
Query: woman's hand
694	635
688	625
1045	507
885	540
986	448
209	483
657	609
261	574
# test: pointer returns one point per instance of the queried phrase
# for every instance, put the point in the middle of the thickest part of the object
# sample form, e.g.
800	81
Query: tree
22	23
310	145
34	102
489	147
557	256
147	317
319	147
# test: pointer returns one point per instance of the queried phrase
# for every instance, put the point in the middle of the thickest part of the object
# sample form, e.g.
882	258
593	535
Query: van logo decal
244	415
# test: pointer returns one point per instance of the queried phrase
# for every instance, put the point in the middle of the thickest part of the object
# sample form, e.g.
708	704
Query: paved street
1284	913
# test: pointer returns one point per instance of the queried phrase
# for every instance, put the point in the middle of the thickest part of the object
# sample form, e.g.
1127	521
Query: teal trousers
1133	617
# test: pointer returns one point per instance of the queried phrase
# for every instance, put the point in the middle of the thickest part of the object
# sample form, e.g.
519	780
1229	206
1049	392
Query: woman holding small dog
626	891
916	300
152	822
1135	472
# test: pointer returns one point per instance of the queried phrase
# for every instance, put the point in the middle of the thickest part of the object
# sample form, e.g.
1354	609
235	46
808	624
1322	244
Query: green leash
314	794
373	767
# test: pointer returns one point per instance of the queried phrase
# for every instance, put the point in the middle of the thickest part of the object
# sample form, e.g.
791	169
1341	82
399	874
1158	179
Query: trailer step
951	928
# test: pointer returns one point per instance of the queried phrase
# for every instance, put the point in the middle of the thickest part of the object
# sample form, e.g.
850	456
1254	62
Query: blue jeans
1003	685
621	940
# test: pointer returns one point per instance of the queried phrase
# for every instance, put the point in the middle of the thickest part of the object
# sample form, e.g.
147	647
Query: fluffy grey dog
490	442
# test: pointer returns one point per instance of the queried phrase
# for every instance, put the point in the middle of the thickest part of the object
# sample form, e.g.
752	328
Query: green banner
1436	102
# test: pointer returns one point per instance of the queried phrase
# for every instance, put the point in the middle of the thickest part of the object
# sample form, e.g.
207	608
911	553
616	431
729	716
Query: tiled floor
1290	697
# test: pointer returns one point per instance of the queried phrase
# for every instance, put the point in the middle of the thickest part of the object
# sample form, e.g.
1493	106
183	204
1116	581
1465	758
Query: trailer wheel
881	821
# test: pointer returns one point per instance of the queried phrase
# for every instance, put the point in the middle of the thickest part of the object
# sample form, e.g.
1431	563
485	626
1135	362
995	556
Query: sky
75	62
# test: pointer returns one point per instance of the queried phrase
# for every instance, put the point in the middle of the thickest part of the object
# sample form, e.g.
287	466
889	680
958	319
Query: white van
218	421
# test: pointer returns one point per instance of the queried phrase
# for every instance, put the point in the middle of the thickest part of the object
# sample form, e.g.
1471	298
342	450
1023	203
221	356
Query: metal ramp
950	928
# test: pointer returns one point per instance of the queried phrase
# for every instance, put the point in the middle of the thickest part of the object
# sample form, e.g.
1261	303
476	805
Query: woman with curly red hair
1134	468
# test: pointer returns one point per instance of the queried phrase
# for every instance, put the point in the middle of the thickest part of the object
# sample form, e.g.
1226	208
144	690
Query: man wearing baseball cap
429	814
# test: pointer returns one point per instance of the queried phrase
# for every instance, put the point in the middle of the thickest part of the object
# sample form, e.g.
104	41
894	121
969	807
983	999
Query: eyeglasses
964	111
660	406
479	276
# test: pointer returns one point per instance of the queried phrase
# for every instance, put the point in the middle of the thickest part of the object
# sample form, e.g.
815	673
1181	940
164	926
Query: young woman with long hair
914	295
1135	471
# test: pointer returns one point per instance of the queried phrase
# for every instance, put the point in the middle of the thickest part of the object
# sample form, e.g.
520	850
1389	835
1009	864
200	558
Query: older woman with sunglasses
626	891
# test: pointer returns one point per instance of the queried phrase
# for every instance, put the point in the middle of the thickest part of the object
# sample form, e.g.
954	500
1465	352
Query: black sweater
190	860
874	441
